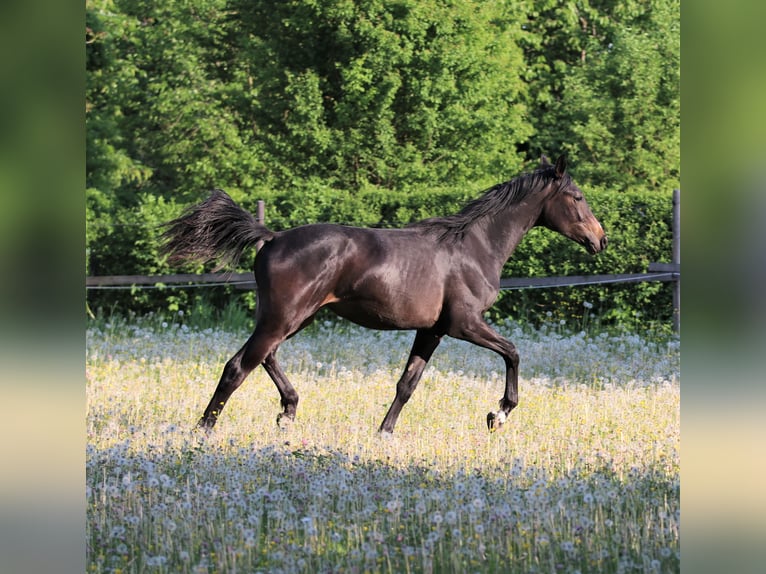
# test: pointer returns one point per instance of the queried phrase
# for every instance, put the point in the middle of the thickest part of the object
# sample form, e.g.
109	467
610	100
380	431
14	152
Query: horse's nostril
603	242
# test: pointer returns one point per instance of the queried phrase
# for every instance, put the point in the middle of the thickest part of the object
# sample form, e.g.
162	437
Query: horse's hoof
284	421
495	420
204	426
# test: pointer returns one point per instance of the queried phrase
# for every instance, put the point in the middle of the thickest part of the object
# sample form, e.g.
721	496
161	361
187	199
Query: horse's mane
492	200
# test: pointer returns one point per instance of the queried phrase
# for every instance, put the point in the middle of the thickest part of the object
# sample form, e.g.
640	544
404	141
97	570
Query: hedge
638	225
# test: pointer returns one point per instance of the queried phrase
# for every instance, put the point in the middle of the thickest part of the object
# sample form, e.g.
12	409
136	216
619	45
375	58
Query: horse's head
566	211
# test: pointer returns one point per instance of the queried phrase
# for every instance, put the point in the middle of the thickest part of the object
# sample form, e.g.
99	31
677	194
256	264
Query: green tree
382	93
606	77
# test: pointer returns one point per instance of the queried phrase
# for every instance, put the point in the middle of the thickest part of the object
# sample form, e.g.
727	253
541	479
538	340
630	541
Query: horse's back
380	278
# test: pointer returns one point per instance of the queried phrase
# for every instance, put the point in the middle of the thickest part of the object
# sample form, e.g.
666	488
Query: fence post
260	215
677	259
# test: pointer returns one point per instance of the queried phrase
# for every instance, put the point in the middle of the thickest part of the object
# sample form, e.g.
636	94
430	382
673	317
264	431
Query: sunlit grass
584	477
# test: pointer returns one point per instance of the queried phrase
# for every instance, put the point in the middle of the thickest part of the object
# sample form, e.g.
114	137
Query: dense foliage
380	113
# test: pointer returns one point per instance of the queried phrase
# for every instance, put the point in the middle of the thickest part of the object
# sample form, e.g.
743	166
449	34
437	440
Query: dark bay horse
436	277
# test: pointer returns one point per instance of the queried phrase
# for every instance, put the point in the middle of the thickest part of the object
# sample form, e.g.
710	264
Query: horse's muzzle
594	247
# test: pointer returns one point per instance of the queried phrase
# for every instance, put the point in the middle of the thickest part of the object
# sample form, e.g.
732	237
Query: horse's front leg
511	395
479	333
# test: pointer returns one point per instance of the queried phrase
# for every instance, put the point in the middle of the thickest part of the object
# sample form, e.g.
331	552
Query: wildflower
132	520
156	560
436	518
309	526
170	525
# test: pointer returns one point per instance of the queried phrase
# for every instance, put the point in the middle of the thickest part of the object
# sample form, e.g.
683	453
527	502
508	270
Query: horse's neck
500	234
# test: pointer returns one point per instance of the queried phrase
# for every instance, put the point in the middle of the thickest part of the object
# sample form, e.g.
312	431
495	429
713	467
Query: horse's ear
544	161
561	166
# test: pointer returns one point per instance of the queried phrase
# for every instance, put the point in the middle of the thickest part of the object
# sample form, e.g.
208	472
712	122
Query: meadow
584	477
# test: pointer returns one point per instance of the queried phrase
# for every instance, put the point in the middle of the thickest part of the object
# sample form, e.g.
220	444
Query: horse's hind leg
287	393
422	349
253	353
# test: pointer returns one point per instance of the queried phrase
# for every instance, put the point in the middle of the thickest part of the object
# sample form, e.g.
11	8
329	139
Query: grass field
583	478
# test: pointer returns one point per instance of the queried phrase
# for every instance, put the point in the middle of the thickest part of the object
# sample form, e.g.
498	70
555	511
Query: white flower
156	560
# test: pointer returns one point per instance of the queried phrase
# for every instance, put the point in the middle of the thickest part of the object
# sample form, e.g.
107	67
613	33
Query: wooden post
677	259
260	216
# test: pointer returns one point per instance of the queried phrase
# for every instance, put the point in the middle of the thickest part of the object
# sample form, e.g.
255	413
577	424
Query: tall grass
584	477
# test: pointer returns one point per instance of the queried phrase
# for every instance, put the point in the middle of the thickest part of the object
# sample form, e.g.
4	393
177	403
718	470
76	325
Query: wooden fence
655	272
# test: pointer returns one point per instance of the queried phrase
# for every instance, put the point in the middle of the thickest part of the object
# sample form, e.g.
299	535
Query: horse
436	277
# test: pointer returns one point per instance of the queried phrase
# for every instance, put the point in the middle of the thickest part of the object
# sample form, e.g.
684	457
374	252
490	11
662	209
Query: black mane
492	200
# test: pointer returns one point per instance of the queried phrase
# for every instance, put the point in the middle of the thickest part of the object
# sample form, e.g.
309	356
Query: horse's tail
215	230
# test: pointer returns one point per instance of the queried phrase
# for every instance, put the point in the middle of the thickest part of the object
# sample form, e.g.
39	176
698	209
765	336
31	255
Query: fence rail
656	272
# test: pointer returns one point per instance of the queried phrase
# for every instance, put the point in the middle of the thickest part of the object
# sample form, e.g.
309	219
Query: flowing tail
215	230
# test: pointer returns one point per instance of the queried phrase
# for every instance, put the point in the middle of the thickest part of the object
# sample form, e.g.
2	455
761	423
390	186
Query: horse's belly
393	315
